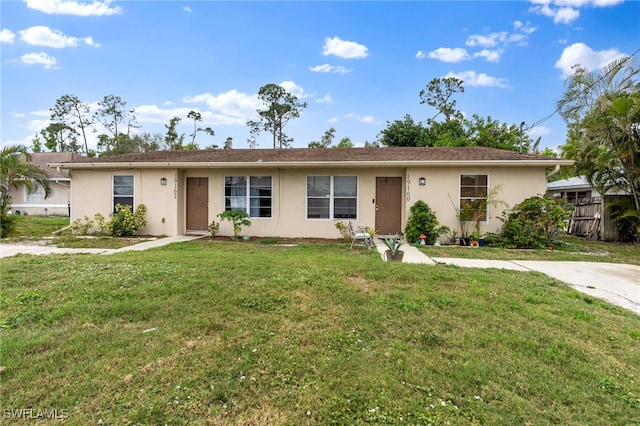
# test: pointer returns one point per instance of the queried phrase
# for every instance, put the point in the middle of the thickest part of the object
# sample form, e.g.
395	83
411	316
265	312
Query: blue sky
357	64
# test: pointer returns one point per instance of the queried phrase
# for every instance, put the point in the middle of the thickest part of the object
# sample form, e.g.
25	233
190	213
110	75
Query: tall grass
230	333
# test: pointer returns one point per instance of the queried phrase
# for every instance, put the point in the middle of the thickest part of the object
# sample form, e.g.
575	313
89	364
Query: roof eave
306	164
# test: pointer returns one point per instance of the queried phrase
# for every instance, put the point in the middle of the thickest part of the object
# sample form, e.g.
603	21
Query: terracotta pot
391	258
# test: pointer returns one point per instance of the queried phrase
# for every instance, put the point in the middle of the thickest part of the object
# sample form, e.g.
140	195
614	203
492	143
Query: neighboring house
302	192
572	189
576	188
34	203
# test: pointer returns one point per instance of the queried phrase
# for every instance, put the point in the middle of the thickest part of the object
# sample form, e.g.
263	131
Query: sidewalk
614	282
7	250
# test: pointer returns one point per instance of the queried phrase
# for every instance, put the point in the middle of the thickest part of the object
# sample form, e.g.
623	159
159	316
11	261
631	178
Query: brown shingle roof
41	159
298	155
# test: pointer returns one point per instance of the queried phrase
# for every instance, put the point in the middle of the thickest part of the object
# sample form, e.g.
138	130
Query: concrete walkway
7	250
614	282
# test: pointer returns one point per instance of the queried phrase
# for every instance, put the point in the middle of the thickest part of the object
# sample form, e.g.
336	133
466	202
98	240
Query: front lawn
211	332
570	248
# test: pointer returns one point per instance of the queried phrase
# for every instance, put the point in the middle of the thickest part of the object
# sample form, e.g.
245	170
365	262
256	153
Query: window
574	196
473	197
36	196
332	197
123	190
250	194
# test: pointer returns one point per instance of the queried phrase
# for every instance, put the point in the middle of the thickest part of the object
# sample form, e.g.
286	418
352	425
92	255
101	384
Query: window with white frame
123	190
332	197
250	194
473	197
36	196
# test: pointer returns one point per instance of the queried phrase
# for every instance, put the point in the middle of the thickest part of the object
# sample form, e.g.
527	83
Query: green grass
210	332
570	249
32	228
38	226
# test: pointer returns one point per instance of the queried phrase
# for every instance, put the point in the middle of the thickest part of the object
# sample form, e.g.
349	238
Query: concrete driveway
614	282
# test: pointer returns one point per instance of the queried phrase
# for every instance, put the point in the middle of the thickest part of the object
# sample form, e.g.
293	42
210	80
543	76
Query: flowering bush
534	222
81	226
124	222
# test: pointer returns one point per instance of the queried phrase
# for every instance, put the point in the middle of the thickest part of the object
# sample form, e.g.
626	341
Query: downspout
555	170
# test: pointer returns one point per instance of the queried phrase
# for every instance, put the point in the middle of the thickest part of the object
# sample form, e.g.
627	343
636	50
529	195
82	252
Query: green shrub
534	222
422	221
81	226
7	220
124	222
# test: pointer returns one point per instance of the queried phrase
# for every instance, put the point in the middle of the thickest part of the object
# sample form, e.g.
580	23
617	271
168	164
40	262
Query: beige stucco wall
516	185
92	193
166	205
55	204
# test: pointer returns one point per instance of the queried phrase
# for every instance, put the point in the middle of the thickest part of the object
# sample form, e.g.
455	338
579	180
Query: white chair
360	236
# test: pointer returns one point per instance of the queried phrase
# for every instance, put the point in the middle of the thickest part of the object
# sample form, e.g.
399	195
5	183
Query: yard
212	332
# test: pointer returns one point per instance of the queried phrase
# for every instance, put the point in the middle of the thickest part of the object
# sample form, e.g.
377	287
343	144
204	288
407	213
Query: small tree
238	218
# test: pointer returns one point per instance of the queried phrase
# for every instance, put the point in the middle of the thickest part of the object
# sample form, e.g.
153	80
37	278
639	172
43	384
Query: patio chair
360	236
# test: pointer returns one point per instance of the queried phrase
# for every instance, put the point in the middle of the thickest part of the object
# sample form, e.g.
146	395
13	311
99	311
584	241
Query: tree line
72	120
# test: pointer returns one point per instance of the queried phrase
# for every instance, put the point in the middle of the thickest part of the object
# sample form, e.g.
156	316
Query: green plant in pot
393	254
238	218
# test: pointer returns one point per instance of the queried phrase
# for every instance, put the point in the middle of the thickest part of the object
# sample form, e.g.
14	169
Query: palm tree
602	111
17	171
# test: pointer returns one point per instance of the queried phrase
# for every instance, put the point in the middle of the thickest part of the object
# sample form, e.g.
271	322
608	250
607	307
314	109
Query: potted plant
394	254
474	238
473	212
238	218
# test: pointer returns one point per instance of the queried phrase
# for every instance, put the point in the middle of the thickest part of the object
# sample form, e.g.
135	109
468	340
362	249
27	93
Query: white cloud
471	78
40	58
333	120
421	55
187	9
294	89
524	28
565	15
360	118
45	36
238	107
344	49
6	36
489	40
71	7
581	54
326	99
155	114
538	131
567	11
330	69
489	55
446	54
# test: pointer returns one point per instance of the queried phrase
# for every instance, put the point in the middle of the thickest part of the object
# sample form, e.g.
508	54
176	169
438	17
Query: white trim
331	198
133	196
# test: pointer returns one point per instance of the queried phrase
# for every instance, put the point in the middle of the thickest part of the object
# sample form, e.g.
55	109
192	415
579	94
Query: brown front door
388	205
197	203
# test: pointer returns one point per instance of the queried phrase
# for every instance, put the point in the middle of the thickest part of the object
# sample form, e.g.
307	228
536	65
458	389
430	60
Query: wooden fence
590	219
586	217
